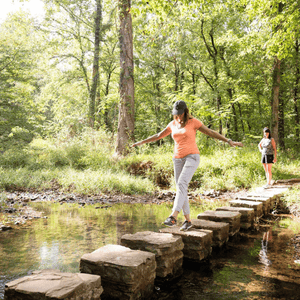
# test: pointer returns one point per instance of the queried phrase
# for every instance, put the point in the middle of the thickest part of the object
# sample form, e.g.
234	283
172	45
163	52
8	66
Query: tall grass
85	164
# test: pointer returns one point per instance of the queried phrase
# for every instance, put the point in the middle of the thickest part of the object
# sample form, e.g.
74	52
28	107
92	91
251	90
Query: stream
260	264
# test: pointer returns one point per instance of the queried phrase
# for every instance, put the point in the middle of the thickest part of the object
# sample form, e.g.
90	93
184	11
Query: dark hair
186	116
266	129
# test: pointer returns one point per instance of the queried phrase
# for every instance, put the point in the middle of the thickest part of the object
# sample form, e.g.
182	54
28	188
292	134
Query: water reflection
70	231
49	256
263	253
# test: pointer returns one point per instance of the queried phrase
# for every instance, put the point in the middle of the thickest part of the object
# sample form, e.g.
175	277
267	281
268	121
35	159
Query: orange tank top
184	138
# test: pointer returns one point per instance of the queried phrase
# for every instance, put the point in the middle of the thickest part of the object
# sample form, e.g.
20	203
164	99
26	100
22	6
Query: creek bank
280	275
16	211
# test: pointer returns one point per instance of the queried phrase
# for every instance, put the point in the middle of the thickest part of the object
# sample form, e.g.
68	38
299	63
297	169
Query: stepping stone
125	273
197	243
264	200
166	247
273	193
53	284
220	230
272	190
233	218
247	215
271	197
257	206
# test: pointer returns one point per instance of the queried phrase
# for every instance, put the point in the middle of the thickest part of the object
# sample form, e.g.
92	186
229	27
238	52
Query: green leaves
19	114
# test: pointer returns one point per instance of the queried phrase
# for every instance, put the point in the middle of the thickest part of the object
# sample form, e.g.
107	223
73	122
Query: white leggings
184	169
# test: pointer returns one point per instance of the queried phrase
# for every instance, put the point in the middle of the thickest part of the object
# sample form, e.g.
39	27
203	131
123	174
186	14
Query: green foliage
85	164
218	57
215	56
20	116
291	197
282	18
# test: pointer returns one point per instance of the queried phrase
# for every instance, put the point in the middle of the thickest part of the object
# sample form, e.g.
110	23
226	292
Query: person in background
186	159
267	147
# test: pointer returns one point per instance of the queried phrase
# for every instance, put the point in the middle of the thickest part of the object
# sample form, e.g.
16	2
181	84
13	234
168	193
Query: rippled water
257	265
68	232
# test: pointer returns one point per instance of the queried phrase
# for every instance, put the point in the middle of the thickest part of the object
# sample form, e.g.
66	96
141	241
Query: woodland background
235	63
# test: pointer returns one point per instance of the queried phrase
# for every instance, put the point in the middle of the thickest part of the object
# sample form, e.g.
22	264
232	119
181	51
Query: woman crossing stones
186	159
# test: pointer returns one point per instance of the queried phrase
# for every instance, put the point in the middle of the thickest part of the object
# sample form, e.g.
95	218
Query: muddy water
253	265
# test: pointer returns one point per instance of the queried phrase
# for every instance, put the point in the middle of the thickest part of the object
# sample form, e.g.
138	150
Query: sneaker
266	186
170	221
186	225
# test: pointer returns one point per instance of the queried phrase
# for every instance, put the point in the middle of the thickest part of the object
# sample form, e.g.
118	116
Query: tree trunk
176	72
296	93
241	118
194	82
95	63
276	90
281	123
213	52
107	122
97	106
235	123
275	99
219	114
126	88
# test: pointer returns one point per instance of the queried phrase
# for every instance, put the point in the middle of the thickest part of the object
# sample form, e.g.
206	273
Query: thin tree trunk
213	52
95	63
181	80
276	90
218	108
296	93
241	118
97	104
176	72
275	99
281	123
126	88
234	113
106	115
194	82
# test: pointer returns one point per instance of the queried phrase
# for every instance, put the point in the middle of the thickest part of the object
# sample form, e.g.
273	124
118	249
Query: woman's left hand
274	160
234	144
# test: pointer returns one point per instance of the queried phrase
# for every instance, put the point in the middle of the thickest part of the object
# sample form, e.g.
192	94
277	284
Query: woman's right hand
136	144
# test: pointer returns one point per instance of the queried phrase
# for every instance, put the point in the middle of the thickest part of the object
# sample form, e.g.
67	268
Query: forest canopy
235	63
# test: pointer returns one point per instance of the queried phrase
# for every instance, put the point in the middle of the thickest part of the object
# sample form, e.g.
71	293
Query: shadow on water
252	265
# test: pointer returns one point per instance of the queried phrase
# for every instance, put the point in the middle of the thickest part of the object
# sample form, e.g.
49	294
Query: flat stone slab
53	284
269	192
265	201
272	198
257	206
197	243
125	273
230	217
247	215
166	247
275	191
220	230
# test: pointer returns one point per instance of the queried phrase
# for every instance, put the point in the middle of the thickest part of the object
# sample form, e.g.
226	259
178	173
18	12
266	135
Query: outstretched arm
275	150
153	138
218	136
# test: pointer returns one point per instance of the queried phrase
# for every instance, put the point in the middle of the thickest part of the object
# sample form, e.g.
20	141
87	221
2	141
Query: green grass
79	181
85	164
